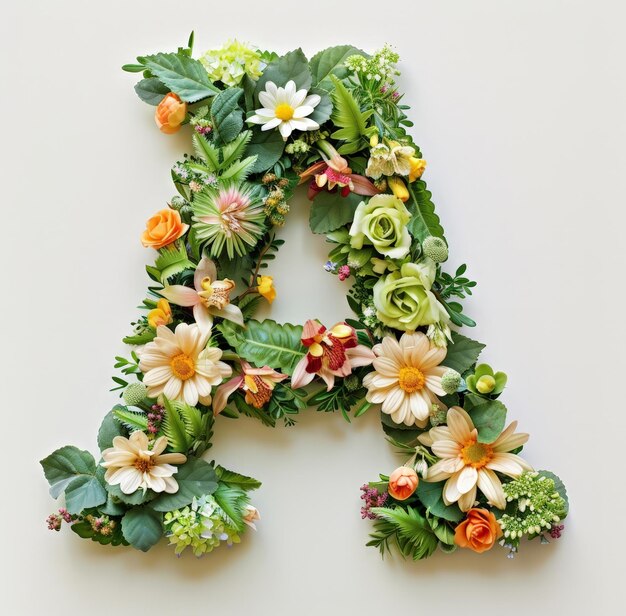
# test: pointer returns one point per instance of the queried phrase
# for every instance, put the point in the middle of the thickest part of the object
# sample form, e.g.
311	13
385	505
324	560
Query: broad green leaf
195	478
226	115
489	419
112	507
267	146
139	497
293	66
430	494
109	429
142	527
330	62
85	531
324	109
66	464
559	486
230	477
424	221
151	90
83	492
266	343
352	122
232	500
462	353
146	336
183	75
329	211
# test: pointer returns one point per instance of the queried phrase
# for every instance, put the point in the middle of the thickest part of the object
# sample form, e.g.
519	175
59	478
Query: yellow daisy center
284	112
144	465
411	379
476	454
183	366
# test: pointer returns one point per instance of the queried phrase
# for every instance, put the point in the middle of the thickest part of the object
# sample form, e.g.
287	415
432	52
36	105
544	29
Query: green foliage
330	211
462	353
232	500
424	221
64	466
266	343
330	62
148	335
132	420
293	66
139	497
142	527
235	479
172	260
407	528
225	162
85	531
324	109
181	74
83	492
113	507
457	285
489	418
184	425
268	147
559	486
431	496
109	429
352	122
151	90
195	478
340	398
226	115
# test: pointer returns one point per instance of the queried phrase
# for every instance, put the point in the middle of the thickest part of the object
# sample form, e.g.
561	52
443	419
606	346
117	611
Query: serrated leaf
268	147
133	420
172	260
174	428
205	150
151	90
347	114
239	170
232	500
195	478
489	419
329	211
431	496
462	353
293	66
64	465
109	429
266	343
142	527
182	74
235	149
232	478
330	62
226	116
112	507
424	221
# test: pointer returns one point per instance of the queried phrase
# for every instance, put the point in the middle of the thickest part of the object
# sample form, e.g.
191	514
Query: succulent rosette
259	125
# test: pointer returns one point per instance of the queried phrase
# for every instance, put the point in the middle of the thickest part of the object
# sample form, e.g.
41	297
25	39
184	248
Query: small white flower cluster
380	67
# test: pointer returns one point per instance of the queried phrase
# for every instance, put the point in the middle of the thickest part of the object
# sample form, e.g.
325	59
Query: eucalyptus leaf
84	492
109	429
139	497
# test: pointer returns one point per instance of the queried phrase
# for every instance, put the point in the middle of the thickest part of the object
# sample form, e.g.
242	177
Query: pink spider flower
333	172
209	297
331	353
258	383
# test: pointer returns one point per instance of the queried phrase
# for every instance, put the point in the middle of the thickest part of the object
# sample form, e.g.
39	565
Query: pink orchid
258	383
209	297
334	172
331	353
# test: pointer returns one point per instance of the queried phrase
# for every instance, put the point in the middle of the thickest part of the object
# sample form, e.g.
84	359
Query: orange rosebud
162	229
170	113
403	482
479	531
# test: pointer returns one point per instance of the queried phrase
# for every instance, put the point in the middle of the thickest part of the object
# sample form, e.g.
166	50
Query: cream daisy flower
133	465
406	378
468	464
285	109
177	365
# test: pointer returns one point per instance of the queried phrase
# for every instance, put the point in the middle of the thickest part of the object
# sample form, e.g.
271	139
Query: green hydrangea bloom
231	62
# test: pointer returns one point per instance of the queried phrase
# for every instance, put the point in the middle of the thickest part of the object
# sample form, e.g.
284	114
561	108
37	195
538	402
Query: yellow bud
374	140
486	384
418	165
398	188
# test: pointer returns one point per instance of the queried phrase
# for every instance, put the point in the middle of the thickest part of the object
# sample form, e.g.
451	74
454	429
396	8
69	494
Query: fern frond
347	114
191	416
239	170
133	420
172	260
232	501
207	152
234	150
174	428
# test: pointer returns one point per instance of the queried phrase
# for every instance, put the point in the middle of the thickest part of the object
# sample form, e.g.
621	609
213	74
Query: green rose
381	222
403	299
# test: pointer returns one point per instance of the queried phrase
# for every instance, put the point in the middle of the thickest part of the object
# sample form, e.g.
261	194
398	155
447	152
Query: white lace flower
285	109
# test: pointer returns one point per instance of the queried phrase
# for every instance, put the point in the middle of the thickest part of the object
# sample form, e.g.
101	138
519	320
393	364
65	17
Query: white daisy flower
285	109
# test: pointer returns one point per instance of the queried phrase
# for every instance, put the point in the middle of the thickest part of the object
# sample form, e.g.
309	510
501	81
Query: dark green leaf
330	62
247	483
293	66
329	211
151	90
431	496
66	464
324	109
195	478
142	527
268	147
424	221
489	419
226	116
462	353
109	429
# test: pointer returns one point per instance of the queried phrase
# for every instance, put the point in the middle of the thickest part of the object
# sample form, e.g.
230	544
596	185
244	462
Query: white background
519	110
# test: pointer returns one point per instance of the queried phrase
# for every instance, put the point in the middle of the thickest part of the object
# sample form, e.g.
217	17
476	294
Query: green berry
435	248
486	384
450	381
135	394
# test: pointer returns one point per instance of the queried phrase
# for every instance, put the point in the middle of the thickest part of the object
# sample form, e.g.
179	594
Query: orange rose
170	113
403	482
479	531
162	229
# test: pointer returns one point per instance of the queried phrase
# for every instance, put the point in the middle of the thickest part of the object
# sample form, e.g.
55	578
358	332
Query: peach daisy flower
467	464
406	378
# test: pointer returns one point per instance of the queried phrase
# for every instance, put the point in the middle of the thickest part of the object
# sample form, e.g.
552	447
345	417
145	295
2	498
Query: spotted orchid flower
209	297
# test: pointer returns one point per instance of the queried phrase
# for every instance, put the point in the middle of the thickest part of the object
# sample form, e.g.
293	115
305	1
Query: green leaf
133	420
183	75
424	221
462	353
226	115
64	465
151	90
324	109
206	151
232	478
112	507
443	532
191	416
268	147
83	492
234	150
172	260
266	343
489	419
431	496
85	531
146	336
352	122
139	497
142	528
232	500
174	428
329	211
109	429
559	486
414	536
330	62
239	170
195	478
293	66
